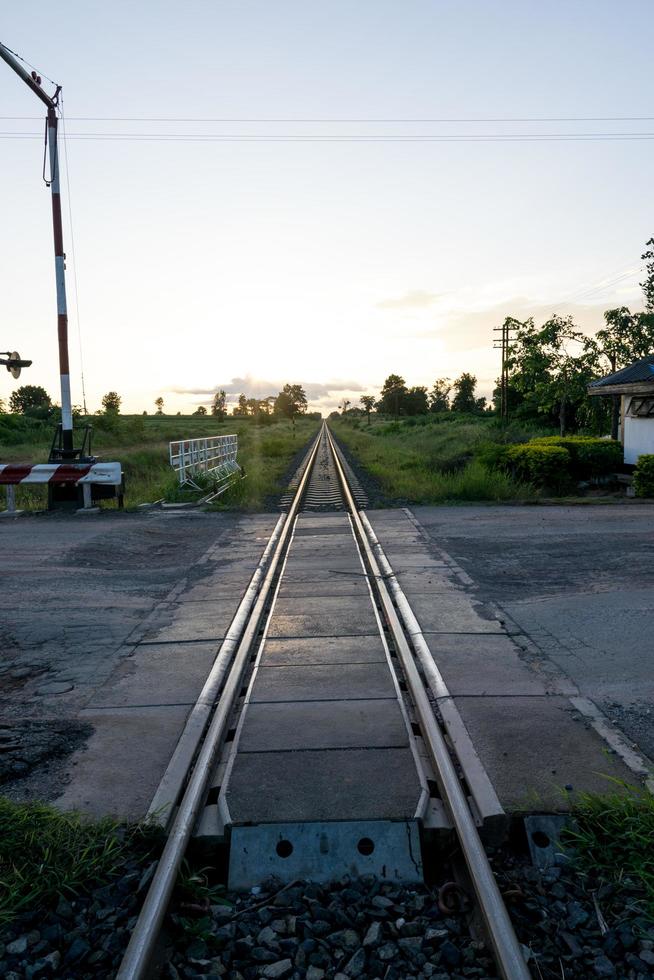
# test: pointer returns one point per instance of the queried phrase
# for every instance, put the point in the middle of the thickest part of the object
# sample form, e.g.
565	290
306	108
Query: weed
613	836
45	854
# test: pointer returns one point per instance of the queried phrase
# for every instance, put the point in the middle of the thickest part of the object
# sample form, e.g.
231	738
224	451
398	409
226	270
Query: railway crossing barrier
82	484
214	455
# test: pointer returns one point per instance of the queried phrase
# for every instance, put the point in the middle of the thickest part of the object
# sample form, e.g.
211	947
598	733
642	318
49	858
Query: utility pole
503	344
65	449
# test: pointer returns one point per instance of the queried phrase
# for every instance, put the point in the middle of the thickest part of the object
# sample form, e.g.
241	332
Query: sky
329	253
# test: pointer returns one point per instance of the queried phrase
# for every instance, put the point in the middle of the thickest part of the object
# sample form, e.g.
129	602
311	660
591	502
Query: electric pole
65	450
504	345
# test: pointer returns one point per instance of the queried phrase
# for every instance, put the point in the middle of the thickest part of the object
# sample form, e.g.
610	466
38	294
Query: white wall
638	438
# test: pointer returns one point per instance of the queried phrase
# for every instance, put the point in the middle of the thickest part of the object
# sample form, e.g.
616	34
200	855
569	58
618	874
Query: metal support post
60	278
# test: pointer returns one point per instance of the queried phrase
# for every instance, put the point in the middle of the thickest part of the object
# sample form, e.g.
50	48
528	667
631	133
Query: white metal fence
215	455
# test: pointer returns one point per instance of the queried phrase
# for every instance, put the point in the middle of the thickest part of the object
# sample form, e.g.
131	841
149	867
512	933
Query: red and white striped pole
60	278
34	82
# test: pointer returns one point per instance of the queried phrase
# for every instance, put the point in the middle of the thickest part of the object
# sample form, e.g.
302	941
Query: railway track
315	748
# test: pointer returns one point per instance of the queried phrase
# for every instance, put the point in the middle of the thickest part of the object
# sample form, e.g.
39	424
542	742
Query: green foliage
140	443
31	400
430	459
613	838
542	465
219	406
464	399
111	403
291	401
648	285
18	429
46	854
393	393
644	476
439	396
589	456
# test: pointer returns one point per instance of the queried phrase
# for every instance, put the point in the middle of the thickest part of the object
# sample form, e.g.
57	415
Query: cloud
260	388
413	299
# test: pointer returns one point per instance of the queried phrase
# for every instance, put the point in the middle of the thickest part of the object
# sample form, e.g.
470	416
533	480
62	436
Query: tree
345	404
626	337
2	406
464	400
368	402
241	407
200	410
111	403
416	401
439	396
219	406
30	398
291	401
393	394
648	285
159	402
551	367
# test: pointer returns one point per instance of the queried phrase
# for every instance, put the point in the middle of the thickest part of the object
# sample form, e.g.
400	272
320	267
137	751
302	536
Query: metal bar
136	960
11	499
7	56
481	789
506	947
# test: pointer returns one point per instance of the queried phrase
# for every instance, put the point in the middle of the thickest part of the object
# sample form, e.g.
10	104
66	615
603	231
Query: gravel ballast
570	926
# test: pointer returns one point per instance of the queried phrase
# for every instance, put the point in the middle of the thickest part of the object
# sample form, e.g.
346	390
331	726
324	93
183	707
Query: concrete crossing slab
323	725
339	784
323	682
323	735
324	650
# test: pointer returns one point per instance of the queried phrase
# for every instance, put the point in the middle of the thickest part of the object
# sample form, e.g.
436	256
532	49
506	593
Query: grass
140	443
613	837
45	855
432	461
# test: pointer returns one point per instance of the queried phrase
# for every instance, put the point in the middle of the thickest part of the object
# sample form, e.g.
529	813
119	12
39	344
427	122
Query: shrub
589	456
493	455
542	465
644	476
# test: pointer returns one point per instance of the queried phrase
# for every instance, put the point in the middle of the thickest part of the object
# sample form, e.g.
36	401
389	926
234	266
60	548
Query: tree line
396	399
291	401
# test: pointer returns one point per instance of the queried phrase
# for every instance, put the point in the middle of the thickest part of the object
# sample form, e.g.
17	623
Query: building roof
637	373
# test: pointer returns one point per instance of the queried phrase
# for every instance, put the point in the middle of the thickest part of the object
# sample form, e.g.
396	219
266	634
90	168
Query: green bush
493	455
542	465
589	456
644	476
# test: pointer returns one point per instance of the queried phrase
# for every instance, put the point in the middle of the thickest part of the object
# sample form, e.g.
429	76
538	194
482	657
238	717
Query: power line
260	138
350	119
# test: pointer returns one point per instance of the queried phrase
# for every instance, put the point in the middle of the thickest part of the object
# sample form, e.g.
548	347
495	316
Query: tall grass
45	854
433	461
140	443
613	836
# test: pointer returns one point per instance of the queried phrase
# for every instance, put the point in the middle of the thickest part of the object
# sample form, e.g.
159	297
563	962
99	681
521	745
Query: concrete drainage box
325	851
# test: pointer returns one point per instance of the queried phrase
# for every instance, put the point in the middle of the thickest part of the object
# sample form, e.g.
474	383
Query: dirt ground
74	595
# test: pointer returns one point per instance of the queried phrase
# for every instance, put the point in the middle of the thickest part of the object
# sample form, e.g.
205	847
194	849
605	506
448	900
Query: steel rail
507	950
138	955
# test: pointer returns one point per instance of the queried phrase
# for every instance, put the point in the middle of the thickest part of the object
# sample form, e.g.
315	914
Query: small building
635	387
